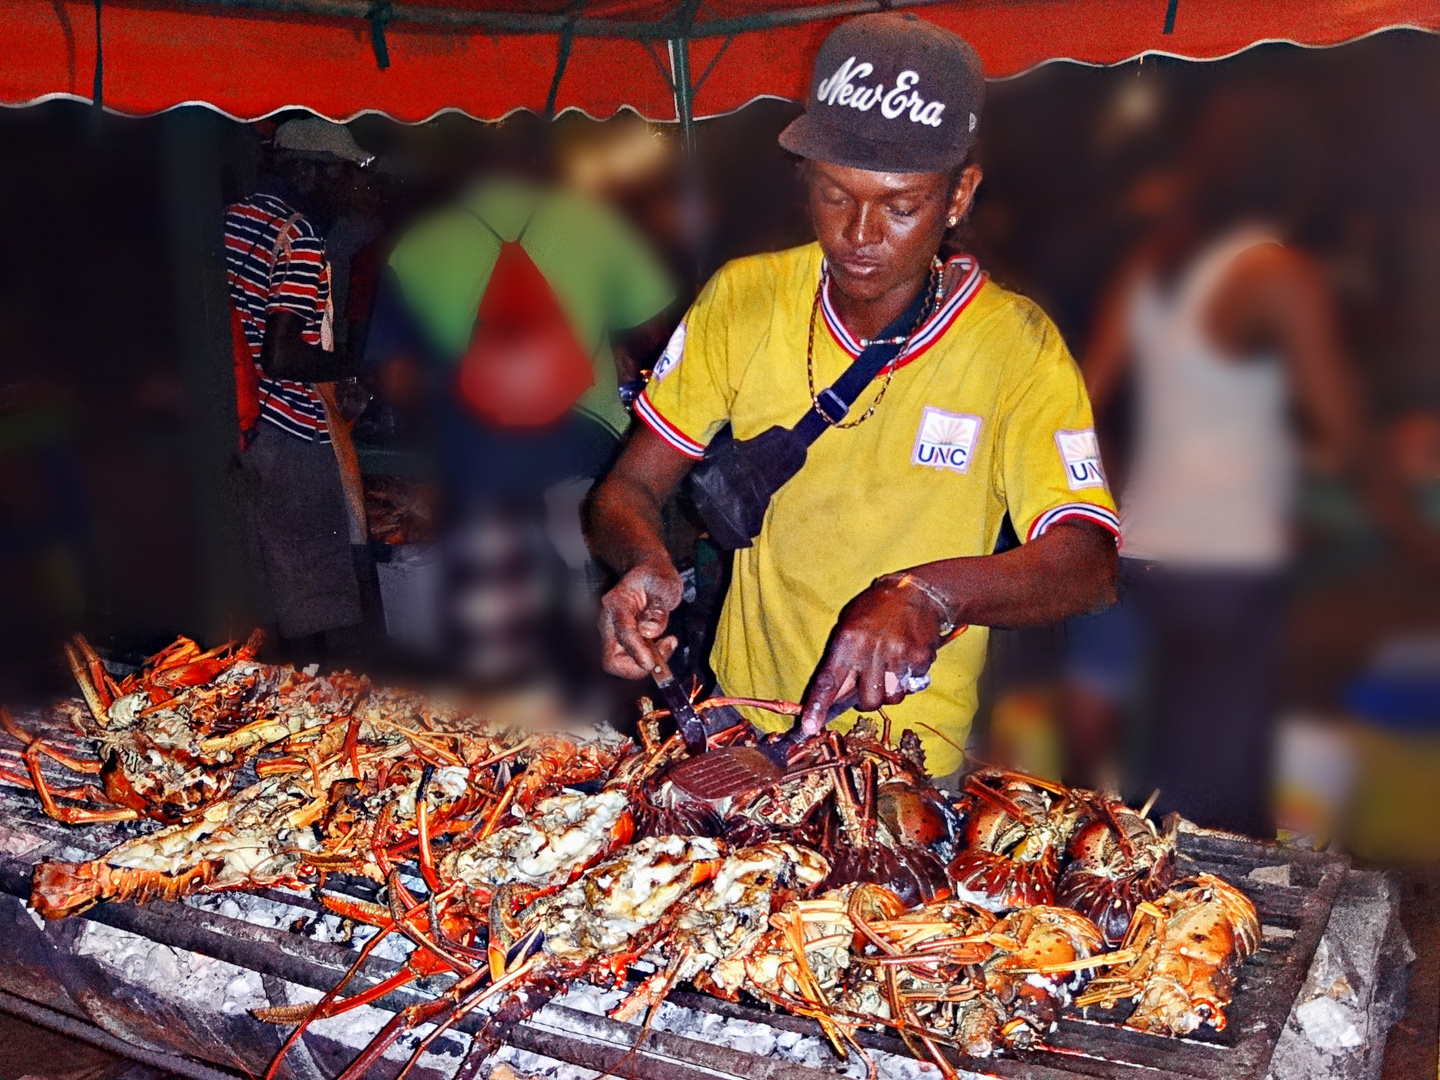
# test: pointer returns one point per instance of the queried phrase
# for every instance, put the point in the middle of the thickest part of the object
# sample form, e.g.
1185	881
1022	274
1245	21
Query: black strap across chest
835	401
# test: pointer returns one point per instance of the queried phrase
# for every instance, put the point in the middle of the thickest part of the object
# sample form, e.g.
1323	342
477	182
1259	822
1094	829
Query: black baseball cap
891	93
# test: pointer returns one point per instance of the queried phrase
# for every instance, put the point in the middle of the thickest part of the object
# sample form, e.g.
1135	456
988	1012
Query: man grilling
869	561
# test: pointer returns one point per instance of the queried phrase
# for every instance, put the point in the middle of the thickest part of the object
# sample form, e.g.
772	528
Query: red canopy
249	58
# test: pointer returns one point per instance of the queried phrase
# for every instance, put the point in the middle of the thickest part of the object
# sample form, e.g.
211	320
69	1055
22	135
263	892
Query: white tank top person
1213	475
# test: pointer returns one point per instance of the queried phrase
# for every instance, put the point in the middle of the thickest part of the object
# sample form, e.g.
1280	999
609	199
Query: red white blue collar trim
934	327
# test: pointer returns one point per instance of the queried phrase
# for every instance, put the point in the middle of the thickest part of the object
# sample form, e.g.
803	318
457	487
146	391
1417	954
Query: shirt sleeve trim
666	430
1106	519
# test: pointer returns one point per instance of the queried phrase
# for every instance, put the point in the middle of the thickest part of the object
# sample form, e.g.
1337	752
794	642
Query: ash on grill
250	941
498	888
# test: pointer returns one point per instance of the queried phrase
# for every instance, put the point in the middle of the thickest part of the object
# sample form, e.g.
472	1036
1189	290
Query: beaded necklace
936	286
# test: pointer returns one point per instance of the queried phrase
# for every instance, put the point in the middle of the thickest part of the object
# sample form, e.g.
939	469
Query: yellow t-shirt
986	413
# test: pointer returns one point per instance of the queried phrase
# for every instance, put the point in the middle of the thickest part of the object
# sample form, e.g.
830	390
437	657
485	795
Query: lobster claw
505	933
505	960
525	948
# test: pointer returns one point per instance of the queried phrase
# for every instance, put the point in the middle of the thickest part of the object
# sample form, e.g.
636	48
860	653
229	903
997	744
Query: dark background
112	508
108	521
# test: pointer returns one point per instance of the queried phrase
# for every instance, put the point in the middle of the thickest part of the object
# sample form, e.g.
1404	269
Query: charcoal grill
1294	891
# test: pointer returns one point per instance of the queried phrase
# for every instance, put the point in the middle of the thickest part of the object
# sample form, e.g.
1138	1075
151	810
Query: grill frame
1266	990
1293	918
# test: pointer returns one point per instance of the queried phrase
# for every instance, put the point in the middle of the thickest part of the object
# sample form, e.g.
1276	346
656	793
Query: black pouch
733	486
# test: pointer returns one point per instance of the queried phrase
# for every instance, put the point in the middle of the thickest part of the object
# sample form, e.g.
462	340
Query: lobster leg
84	793
88	690
352	746
81	765
320	1008
260	732
461	1011
410	1017
70	815
178	652
782	708
15	730
74	764
400	900
99	677
271	766
359	910
304	1014
500	808
422	829
518	748
650	993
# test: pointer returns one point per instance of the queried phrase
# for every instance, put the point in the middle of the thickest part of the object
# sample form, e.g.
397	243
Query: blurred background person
353	237
1229	337
299	484
527	304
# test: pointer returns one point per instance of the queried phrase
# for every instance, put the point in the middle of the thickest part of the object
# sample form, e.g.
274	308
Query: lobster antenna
1150	802
952	742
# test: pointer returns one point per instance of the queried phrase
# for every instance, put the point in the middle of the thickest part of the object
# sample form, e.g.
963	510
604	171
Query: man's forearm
285	354
625	527
624	518
1068	571
313	364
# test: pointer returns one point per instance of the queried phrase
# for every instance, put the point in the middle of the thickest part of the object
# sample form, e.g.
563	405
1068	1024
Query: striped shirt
261	282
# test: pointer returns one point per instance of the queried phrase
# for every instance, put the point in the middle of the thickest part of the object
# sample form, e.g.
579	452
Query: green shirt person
602	274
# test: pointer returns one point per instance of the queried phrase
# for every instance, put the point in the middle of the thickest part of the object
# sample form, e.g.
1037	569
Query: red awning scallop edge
247	62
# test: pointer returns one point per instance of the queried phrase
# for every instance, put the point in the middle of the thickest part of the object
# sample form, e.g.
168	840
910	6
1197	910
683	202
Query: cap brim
396	167
810	136
310	154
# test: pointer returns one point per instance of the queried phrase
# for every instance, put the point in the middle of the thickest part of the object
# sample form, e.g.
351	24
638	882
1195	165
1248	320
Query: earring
951	221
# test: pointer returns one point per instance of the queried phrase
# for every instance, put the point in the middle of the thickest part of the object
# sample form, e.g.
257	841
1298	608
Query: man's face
878	230
321	183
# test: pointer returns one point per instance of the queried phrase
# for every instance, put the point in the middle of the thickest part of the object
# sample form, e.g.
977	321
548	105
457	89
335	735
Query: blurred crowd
1241	255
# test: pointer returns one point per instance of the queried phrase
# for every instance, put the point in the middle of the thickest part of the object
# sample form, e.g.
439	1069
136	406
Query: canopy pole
380	16
692	214
681	25
562	57
191	149
97	90
684	93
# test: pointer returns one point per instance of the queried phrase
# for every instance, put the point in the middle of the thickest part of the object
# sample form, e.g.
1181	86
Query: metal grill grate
1293	918
1294	893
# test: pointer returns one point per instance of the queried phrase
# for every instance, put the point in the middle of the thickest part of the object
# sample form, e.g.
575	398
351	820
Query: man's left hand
885	638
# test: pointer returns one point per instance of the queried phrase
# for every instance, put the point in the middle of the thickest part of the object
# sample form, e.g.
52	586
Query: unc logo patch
1080	453
674	349
945	440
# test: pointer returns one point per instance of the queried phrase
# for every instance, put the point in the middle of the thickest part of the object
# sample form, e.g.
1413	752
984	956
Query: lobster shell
1109	901
999	883
913	874
59	888
687	817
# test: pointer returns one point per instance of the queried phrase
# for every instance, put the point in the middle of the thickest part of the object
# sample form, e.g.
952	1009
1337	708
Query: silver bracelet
904	580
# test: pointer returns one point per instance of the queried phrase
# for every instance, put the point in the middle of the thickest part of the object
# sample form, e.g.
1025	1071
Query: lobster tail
999	883
59	889
1107	889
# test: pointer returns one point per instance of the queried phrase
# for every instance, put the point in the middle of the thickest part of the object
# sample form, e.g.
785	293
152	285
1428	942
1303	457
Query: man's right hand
625	530
634	614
